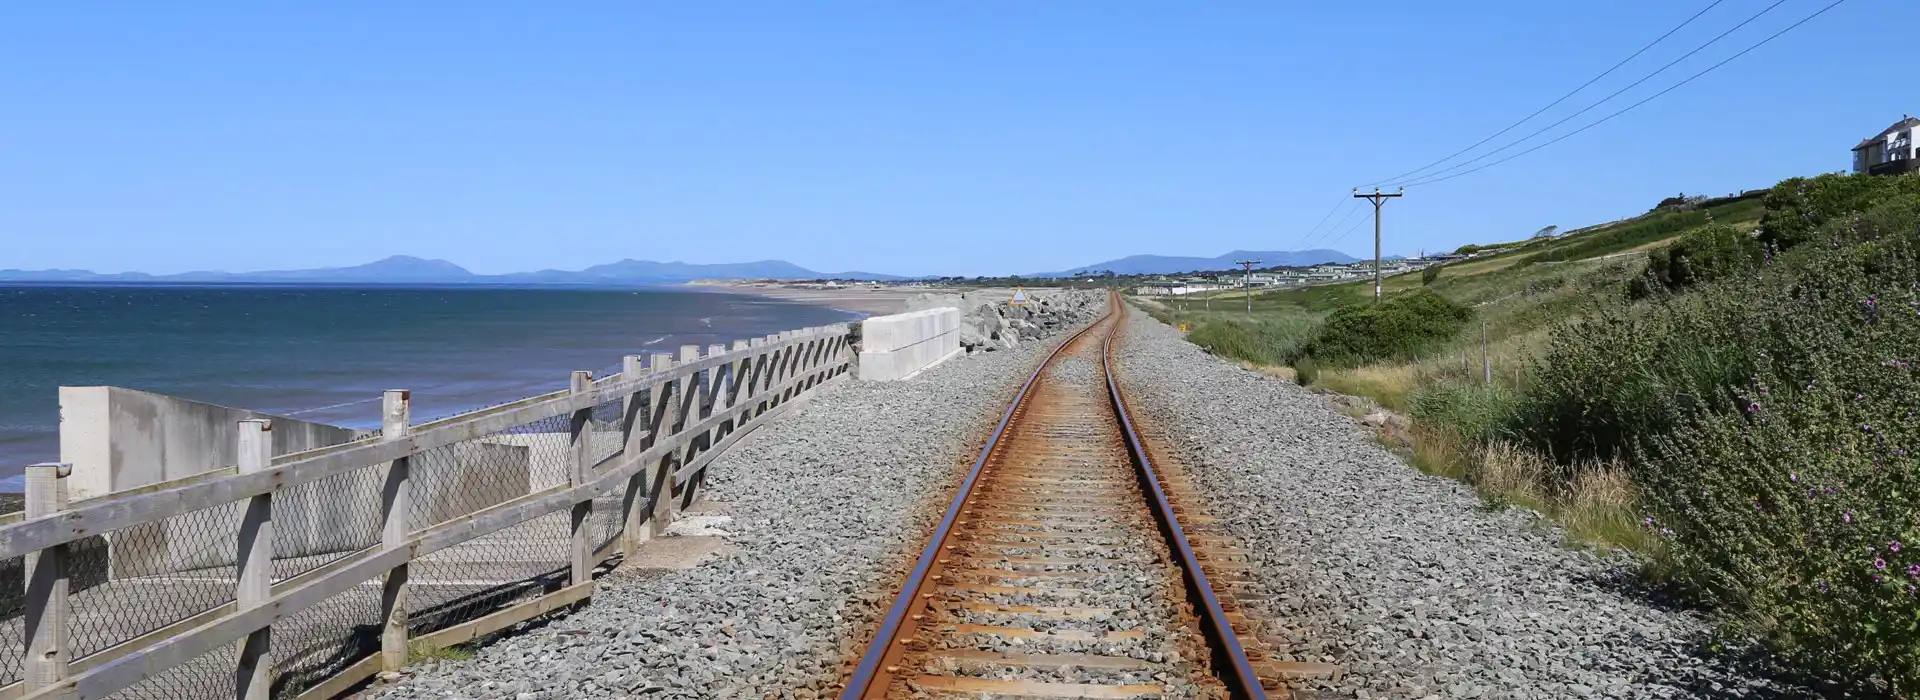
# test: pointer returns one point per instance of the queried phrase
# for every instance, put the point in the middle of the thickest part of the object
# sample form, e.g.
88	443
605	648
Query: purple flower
1894	546
1795	478
1880	564
1648	521
1666	532
1876	578
1822	585
1913	570
1848	517
1753	407
1866	427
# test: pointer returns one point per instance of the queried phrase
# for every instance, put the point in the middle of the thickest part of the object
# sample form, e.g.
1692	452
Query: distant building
1892	151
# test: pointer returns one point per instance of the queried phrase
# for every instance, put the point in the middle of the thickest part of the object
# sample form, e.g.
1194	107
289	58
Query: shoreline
863	300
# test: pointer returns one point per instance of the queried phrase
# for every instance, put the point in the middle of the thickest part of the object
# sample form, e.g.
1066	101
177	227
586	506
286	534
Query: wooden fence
627	452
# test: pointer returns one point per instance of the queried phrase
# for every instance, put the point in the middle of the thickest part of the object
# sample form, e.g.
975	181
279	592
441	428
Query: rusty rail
872	672
1239	675
879	666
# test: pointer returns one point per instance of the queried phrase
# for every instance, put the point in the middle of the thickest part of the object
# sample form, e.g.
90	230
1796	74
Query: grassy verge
1726	390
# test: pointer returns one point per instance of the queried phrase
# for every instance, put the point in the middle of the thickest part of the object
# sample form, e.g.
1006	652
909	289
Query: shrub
1269	340
1396	329
1429	274
1702	254
1647	229
1472	411
1793	504
1799	207
1306	371
1770	422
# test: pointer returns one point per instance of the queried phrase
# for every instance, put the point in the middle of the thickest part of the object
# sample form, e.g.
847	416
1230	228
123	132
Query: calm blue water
326	353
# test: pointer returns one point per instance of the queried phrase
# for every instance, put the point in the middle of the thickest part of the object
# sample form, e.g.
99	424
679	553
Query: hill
405	269
1169	264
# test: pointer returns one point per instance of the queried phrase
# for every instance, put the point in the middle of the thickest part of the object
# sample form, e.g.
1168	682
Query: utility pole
1249	281
1378	200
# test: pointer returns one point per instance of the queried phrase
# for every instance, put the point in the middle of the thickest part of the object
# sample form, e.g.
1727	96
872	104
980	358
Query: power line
1551	105
1335	227
1323	219
1629	108
1602	100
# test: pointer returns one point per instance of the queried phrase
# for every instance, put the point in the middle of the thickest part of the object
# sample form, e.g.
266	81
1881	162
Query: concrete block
902	345
119	439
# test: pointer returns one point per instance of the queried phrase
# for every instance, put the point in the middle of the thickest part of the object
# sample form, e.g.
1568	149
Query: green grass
1516	297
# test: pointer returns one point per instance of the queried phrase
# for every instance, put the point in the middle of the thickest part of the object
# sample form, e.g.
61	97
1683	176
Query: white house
1896	150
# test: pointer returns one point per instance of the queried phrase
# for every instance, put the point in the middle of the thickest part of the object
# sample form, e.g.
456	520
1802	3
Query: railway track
1062	567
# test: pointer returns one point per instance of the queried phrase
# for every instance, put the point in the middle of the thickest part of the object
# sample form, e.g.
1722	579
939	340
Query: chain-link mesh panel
453	481
208	676
470	580
327	638
606	437
13	640
606	521
321	521
142	578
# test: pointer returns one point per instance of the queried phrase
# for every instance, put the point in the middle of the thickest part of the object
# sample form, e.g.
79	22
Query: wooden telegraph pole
1249	281
1378	199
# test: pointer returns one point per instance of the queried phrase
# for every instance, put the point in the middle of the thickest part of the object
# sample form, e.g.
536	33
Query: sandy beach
876	301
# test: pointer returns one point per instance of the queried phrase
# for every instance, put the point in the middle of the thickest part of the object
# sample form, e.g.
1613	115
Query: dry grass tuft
1506	473
1389	384
1600	507
1279	371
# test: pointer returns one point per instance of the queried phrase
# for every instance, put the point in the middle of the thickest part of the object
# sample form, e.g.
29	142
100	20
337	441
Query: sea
325	353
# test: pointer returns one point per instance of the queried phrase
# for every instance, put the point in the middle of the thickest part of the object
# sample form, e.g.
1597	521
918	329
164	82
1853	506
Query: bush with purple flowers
1768	419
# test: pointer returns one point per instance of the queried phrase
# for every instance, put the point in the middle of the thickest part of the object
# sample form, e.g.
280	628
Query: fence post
756	376
253	678
636	422
660	473
693	405
719	383
737	381
789	354
1486	360
47	604
396	414
581	430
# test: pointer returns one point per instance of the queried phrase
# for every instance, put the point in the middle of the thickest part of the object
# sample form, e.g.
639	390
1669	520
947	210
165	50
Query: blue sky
967	137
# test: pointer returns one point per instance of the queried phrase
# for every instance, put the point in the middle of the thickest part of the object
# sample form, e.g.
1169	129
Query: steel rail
874	674
875	671
1238	675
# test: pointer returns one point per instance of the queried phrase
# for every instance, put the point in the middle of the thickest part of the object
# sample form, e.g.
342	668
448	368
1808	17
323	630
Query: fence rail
301	575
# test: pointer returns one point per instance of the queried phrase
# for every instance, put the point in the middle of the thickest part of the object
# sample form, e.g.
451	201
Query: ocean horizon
325	352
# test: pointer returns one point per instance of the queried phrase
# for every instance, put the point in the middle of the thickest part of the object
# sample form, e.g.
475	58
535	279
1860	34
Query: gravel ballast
1405	580
829	504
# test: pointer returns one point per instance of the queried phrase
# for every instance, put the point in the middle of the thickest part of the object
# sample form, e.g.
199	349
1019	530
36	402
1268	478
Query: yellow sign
1019	297
1183	328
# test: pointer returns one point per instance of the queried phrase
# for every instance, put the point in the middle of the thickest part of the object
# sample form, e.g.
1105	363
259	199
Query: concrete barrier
900	346
119	439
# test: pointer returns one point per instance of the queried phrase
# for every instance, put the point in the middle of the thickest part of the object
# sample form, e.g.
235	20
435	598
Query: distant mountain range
404	269
1169	264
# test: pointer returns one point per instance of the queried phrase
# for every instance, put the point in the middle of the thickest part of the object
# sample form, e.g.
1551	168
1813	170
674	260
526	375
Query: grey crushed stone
829	504
1403	579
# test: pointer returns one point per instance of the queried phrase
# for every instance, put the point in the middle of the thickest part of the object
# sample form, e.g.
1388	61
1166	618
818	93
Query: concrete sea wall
900	346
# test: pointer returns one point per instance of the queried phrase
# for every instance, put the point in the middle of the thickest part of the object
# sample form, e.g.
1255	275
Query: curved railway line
1066	565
